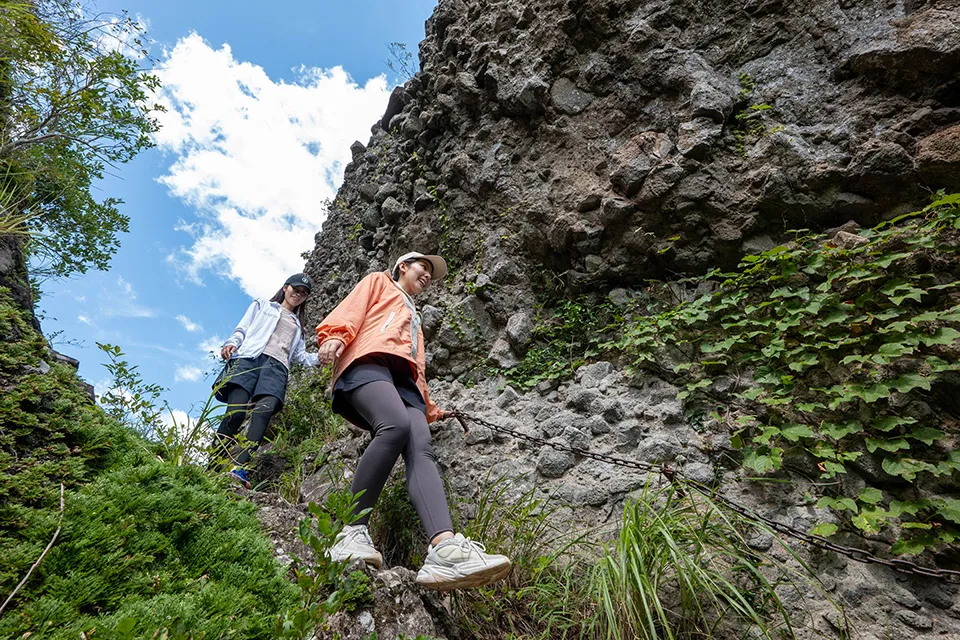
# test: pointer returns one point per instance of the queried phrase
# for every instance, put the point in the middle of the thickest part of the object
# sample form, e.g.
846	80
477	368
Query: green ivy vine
836	349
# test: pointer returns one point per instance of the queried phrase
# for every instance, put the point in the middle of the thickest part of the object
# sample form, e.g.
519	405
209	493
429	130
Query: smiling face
415	277
294	296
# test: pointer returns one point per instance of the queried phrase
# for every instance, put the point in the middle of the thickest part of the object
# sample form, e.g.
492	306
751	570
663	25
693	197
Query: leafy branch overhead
73	101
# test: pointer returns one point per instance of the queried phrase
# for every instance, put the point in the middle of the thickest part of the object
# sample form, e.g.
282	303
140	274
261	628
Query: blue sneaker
240	475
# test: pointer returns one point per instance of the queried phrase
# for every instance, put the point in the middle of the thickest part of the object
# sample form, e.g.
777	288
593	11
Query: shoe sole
375	562
478	579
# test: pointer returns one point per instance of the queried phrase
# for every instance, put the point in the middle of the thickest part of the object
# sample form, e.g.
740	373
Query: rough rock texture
400	608
593	144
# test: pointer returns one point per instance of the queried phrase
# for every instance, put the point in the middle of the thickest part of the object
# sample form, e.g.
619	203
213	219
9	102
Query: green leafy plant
151	546
566	334
132	401
833	346
324	588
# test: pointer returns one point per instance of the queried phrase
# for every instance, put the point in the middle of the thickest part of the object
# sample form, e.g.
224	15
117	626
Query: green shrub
50	433
157	544
566	334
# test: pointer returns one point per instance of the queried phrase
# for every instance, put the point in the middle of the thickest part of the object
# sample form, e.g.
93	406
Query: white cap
439	264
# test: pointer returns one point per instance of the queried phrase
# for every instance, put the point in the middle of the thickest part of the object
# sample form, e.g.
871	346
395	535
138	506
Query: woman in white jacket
258	355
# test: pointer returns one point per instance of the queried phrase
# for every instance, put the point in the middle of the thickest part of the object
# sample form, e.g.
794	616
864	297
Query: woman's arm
300	353
344	322
236	338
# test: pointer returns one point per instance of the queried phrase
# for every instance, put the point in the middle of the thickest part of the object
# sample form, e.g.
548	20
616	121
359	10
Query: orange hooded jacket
373	318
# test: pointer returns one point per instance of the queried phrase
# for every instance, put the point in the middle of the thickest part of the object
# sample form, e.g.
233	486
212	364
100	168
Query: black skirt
370	368
260	376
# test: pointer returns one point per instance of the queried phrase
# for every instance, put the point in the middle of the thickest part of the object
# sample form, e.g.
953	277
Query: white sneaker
458	562
354	542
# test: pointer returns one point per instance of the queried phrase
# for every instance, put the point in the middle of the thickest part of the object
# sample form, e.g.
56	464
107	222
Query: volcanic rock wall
598	143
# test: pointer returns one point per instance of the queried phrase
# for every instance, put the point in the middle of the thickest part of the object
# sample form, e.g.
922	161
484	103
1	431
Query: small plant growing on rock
324	587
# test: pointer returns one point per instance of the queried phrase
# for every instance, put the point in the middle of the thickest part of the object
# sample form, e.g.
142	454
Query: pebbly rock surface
590	145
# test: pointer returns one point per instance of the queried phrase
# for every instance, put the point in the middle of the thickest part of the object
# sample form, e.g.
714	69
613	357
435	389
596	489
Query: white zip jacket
255	328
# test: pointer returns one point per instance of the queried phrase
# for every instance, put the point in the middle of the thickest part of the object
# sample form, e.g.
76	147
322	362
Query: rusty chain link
674	475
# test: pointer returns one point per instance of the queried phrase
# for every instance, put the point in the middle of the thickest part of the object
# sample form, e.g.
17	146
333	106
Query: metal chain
859	555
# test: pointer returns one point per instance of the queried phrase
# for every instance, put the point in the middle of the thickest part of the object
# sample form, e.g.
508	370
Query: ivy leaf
910	381
831	469
824	529
906	468
762	463
885	261
895	349
870	495
926	435
891	422
911	507
943	335
837	431
950	509
903	547
794	432
895	444
835	316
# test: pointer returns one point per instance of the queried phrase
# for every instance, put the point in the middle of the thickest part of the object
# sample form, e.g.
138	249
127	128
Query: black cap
299	280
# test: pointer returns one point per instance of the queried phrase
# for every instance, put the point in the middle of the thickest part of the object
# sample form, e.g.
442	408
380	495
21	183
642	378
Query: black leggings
238	400
398	430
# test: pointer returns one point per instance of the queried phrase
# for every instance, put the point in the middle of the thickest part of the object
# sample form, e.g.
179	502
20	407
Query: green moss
143	543
155	543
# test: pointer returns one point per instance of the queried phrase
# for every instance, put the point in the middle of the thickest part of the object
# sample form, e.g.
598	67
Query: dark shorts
377	366
260	376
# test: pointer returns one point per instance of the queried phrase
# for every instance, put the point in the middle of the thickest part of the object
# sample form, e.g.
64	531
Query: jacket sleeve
345	321
236	338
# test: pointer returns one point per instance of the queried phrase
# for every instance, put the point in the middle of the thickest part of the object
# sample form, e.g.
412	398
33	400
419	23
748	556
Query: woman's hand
330	351
227	351
445	415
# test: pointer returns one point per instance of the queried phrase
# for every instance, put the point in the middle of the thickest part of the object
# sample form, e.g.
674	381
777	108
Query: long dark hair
300	310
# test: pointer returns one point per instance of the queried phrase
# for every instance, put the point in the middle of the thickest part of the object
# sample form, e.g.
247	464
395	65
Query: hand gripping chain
673	475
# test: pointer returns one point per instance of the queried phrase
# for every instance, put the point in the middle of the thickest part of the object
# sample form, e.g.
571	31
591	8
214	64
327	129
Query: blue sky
263	104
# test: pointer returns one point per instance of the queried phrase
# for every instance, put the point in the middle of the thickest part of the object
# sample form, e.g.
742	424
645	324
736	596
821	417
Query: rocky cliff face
594	144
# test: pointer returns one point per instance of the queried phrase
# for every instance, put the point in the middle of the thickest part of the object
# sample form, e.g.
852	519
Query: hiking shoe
240	475
354	542
458	563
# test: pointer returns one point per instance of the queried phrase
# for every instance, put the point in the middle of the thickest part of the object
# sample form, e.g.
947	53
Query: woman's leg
380	405
264	408
237	399
423	478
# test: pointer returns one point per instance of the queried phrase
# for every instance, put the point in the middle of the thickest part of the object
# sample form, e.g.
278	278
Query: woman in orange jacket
375	342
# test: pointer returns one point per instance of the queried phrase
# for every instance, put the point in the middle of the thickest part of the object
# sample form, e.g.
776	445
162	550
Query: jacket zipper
389	320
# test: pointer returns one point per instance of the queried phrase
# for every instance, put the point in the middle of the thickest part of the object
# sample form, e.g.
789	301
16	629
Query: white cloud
255	158
121	301
188	373
189	324
126	288
85	320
